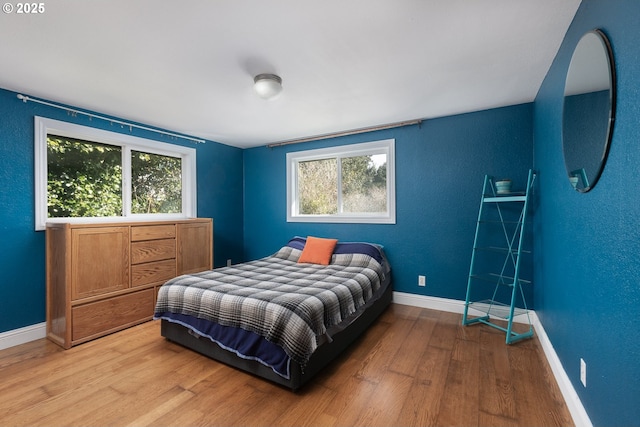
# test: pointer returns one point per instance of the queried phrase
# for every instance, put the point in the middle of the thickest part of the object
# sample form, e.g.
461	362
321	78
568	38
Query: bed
283	317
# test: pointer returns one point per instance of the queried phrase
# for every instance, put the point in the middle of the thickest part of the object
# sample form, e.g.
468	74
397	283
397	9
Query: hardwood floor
414	366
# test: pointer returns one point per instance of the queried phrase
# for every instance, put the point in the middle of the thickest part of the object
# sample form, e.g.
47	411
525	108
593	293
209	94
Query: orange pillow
318	250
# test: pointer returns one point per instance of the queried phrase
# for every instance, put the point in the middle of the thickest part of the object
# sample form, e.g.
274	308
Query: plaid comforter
287	303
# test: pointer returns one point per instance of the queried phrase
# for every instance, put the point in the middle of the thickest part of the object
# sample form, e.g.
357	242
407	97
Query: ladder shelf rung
492	277
501	250
497	309
497	221
502	199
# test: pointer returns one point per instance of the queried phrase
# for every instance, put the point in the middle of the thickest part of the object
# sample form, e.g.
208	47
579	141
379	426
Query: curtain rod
346	133
120	122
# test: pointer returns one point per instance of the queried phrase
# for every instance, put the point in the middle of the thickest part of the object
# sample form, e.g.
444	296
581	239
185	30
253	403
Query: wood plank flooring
413	367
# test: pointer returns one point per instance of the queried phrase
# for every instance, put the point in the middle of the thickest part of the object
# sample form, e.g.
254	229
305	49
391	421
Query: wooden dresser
102	278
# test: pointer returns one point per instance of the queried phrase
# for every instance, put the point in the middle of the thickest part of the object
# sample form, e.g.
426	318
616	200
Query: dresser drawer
113	314
153	272
152	232
152	250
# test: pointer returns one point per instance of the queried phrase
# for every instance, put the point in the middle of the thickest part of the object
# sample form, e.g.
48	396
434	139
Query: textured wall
587	245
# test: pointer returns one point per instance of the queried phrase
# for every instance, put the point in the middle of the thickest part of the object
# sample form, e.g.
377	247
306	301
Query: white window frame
386	146
44	126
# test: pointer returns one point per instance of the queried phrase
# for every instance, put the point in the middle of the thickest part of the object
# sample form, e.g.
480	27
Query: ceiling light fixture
267	86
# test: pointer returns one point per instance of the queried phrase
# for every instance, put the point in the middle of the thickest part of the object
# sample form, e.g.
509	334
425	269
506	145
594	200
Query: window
86	173
350	184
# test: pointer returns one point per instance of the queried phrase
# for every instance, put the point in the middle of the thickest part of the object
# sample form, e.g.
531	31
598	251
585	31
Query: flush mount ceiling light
267	85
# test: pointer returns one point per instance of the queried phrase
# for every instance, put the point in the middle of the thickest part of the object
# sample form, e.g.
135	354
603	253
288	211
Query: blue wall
22	249
440	167
587	245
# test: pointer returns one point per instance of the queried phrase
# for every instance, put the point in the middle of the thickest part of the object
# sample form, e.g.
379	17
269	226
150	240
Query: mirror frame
608	51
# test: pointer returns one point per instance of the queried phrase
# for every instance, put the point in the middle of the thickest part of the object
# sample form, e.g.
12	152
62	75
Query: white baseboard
580	416
578	413
23	335
443	304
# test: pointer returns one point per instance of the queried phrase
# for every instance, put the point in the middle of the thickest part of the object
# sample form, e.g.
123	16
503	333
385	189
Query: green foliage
156	183
364	186
84	178
318	187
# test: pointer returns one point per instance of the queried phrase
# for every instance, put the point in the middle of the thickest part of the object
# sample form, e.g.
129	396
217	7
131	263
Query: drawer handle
194	334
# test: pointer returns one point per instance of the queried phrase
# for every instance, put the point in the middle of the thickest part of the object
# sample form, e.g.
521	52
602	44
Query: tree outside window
84	179
156	183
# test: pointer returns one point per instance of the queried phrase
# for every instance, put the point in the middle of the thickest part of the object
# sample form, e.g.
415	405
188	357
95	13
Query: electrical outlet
229	262
422	280
583	372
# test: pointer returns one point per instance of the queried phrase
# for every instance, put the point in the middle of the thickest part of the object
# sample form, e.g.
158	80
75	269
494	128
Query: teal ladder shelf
495	288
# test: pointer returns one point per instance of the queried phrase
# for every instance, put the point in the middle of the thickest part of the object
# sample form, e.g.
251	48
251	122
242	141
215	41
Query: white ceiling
188	66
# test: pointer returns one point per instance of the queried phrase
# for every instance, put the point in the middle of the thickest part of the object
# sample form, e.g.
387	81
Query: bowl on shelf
503	186
573	179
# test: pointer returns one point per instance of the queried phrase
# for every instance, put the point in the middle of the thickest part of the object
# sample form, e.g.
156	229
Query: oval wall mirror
589	110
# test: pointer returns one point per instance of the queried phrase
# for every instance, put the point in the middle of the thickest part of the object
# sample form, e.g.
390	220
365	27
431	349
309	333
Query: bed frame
323	355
